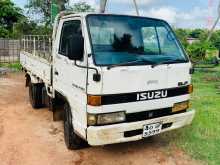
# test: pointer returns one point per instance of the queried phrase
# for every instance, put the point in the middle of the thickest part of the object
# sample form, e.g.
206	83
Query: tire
73	141
35	95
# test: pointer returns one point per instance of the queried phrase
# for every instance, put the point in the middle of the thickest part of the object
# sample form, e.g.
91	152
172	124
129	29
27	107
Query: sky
179	13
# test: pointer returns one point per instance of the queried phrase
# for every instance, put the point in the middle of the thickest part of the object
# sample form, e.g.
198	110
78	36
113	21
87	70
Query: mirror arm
96	77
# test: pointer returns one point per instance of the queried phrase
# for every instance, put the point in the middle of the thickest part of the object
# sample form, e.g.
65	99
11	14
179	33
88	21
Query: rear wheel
72	140
35	95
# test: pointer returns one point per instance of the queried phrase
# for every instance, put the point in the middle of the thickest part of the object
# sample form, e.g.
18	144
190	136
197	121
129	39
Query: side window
69	28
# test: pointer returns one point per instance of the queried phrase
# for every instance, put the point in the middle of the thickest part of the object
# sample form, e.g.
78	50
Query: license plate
152	129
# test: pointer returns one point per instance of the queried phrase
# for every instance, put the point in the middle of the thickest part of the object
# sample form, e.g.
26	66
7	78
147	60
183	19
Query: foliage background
34	19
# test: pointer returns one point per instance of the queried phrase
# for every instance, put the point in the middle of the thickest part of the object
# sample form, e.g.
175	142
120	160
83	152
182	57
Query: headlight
91	119
180	106
109	118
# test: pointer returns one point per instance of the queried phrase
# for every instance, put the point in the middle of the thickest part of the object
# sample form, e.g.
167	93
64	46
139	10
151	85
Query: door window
69	29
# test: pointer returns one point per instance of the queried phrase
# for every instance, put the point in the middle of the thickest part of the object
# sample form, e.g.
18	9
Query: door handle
56	73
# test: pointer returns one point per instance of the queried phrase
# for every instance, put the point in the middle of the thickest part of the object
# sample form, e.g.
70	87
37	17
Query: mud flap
58	112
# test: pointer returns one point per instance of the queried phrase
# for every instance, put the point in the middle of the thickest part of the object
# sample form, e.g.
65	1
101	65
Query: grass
202	139
15	66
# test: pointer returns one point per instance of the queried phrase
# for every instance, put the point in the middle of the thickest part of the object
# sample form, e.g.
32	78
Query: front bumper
102	135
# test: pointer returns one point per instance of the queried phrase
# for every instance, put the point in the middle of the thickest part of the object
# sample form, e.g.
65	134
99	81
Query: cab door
70	80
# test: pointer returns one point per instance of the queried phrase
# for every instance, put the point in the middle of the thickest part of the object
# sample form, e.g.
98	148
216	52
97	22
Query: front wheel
72	141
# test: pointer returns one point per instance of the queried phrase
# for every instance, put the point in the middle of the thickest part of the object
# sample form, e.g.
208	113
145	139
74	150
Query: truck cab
122	78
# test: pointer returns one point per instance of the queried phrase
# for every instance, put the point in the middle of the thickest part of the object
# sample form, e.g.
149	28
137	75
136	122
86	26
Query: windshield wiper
129	63
169	62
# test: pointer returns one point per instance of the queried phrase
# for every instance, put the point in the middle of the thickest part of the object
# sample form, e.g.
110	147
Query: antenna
215	24
136	7
103	4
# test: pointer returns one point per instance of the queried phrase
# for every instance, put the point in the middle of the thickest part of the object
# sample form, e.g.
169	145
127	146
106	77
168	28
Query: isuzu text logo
152	95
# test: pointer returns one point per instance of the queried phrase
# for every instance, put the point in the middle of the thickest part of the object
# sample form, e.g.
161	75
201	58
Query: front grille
132	97
140	116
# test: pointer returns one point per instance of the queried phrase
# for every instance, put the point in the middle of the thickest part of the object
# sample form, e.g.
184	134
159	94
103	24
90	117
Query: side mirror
75	47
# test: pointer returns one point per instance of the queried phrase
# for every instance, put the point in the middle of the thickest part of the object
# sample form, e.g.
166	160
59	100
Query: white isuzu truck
115	78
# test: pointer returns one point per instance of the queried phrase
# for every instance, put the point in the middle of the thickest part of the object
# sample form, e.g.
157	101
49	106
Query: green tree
197	50
215	39
9	15
43	8
196	33
27	27
182	35
82	7
203	35
4	33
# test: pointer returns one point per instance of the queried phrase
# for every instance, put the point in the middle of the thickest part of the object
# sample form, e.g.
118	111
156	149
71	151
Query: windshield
121	39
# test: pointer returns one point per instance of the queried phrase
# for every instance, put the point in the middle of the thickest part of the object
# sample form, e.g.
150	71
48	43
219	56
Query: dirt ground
30	137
